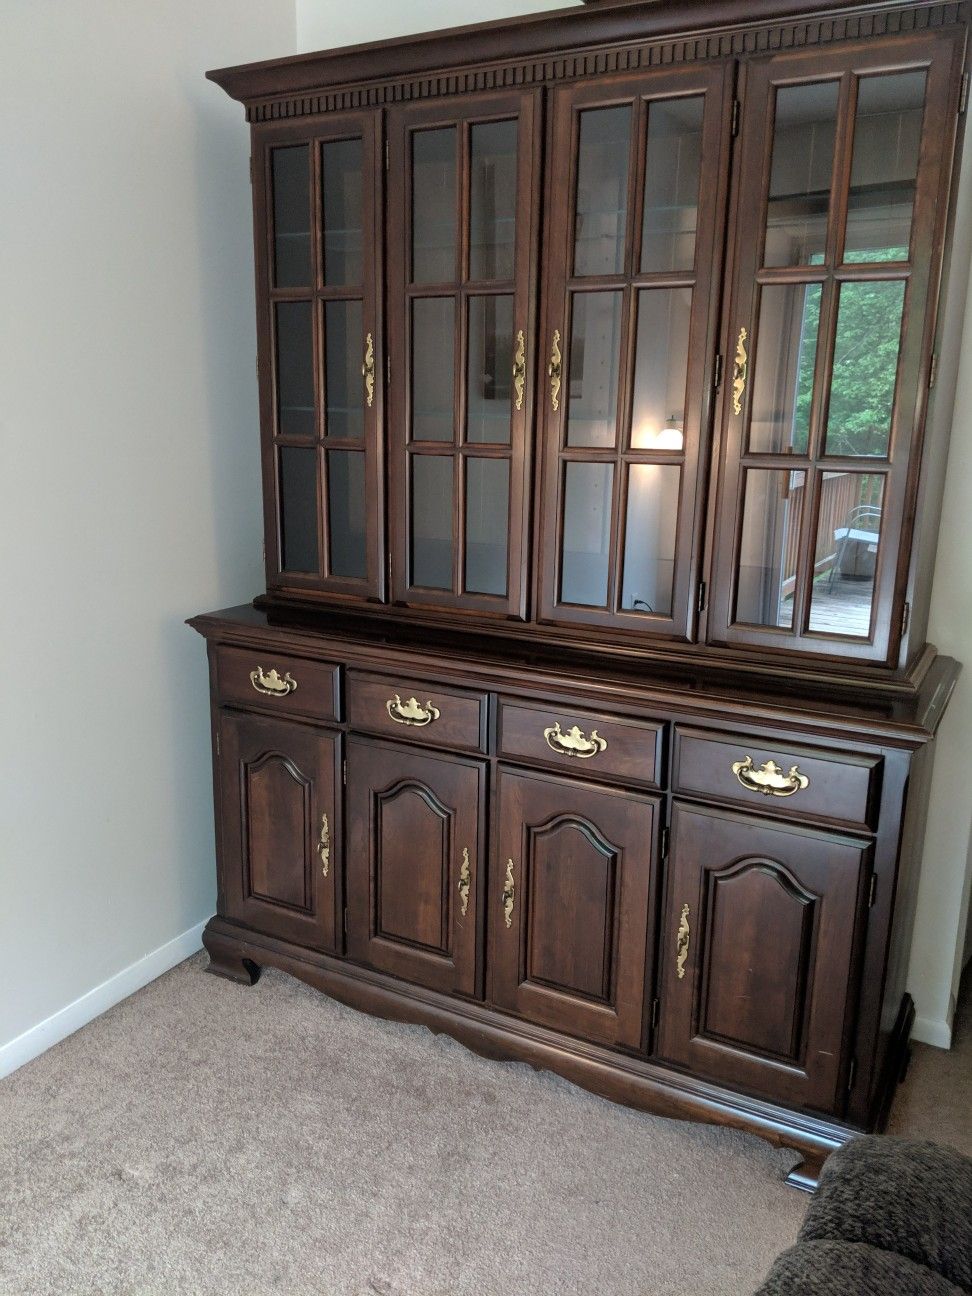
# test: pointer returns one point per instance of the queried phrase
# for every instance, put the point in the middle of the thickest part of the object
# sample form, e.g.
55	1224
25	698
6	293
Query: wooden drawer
418	711
589	743
798	782
279	683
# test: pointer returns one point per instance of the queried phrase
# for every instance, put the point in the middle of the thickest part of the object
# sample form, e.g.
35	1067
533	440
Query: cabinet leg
805	1175
225	960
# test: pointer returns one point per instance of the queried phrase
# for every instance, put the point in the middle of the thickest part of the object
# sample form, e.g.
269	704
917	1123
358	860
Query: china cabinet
588	713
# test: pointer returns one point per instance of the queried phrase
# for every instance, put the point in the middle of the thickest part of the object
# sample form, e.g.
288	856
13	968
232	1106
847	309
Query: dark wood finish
460	723
412	818
633	753
318	684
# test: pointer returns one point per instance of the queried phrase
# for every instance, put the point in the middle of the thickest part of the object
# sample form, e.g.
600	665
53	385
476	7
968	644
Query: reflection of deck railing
839	493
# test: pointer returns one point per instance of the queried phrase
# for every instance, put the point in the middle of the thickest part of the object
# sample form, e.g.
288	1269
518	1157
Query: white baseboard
47	1033
932	1030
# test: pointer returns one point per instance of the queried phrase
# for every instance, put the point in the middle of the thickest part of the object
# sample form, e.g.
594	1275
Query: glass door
320	355
630	315
461	228
830	333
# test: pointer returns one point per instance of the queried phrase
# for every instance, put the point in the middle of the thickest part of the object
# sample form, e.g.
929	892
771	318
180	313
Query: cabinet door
462	233
757	953
630	317
414	853
321	361
281	828
568	905
844	158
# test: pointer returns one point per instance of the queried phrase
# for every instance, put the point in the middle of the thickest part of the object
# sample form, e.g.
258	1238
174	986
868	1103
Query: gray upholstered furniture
892	1217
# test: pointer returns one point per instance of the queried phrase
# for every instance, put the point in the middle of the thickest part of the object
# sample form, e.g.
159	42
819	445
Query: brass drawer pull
272	682
519	371
682	943
464	881
769	778
368	370
573	742
555	369
740	370
324	845
411	712
509	892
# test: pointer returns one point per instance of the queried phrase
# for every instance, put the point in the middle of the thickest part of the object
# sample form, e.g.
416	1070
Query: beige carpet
204	1138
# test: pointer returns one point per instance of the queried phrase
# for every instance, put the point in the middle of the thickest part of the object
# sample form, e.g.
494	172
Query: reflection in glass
492	200
346	513
433	343
489	370
769	546
649	538
343	349
434	206
661	368
865	367
291	216
789	321
602	191
298	508
595	351
487	525
848	538
432	507
295	369
803	160
586	543
673	161
341	192
887	140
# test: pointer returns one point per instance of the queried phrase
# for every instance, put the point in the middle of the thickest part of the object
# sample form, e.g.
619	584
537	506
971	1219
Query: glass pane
291	217
887	140
595	351
803	160
487	525
344	349
346	513
865	368
492	200
295	370
434	206
343	219
298	508
848	537
490	369
602	191
673	161
768	551
661	369
433	346
649	538
432	508
789	321
585	554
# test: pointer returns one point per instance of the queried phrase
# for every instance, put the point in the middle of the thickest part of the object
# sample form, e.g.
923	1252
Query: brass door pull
411	712
272	682
682	943
573	742
465	877
740	370
324	845
555	370
519	371
509	893
769	778
368	370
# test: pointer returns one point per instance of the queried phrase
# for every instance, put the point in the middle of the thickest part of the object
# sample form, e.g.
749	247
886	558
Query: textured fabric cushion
850	1269
911	1198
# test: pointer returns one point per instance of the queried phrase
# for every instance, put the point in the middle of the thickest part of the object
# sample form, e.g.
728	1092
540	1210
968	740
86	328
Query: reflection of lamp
670	437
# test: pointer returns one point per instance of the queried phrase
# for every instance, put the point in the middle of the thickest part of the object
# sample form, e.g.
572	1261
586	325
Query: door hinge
387	156
345	921
389	566
735	118
872	897
933	371
344	772
717	377
388	369
655	1007
905	618
851	1074
964	94
703	595
665	839
218	748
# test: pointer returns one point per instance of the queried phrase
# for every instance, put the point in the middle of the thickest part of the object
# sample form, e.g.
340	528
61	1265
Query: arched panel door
757	953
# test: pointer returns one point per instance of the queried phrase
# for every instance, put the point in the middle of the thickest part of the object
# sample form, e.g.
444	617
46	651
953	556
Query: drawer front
417	711
583	742
278	683
798	782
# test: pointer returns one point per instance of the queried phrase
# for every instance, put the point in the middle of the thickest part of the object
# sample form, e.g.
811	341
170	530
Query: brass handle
769	778
411	712
273	683
682	943
464	881
740	370
519	371
555	370
573	742
509	892
324	845
368	370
